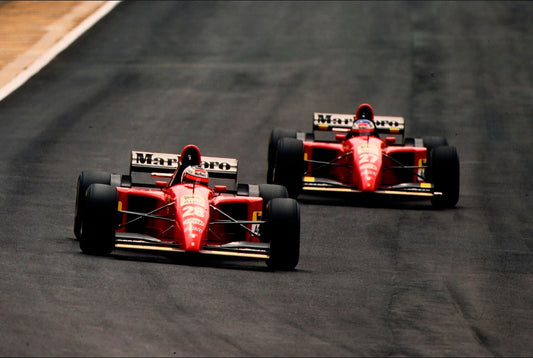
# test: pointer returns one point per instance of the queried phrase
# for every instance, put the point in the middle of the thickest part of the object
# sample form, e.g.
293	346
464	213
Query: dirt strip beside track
29	28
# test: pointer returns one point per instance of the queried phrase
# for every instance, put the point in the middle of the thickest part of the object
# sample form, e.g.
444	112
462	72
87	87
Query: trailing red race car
186	212
365	154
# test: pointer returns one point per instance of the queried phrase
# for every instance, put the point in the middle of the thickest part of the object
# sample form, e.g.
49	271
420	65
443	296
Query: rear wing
164	163
335	122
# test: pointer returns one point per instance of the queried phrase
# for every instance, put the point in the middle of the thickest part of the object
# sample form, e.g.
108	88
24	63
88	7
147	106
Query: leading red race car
364	154
186	212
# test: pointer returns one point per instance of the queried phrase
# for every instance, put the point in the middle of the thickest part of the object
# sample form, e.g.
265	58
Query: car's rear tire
271	191
282	230
289	165
85	179
99	221
445	176
431	142
275	136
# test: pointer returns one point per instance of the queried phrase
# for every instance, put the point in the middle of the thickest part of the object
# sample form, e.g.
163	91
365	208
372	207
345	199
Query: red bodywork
189	209
365	163
184	217
377	162
365	154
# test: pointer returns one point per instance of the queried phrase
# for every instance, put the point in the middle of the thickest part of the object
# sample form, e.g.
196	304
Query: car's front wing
242	249
312	184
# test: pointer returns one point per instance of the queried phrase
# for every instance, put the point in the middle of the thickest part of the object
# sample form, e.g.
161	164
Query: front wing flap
241	249
312	184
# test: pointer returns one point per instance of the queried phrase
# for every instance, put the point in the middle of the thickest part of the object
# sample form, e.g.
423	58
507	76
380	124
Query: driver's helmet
363	127
195	174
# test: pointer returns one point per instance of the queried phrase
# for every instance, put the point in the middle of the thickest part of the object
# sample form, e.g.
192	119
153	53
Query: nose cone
368	181
367	162
193	232
192	219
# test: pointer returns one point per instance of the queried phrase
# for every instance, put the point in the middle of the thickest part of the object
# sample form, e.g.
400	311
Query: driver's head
195	174
363	127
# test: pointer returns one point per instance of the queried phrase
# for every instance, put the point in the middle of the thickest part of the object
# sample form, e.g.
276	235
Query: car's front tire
282	230
445	176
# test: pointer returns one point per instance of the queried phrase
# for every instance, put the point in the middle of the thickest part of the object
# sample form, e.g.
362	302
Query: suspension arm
234	221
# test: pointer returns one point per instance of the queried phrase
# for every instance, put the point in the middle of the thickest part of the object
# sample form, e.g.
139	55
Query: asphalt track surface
374	279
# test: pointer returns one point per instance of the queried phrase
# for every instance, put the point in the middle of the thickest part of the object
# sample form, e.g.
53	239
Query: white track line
49	55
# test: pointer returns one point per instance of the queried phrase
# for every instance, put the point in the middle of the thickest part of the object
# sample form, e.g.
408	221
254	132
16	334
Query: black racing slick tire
289	166
431	142
282	230
99	221
85	179
271	191
445	176
275	136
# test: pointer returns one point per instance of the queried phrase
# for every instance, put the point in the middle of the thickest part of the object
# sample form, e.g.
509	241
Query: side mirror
340	137
161	184
220	188
390	140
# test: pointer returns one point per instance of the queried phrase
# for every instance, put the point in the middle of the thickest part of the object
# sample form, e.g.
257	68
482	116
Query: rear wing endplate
336	122
217	167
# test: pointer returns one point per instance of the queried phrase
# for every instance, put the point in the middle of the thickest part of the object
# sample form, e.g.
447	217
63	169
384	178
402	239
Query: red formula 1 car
363	154
186	212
